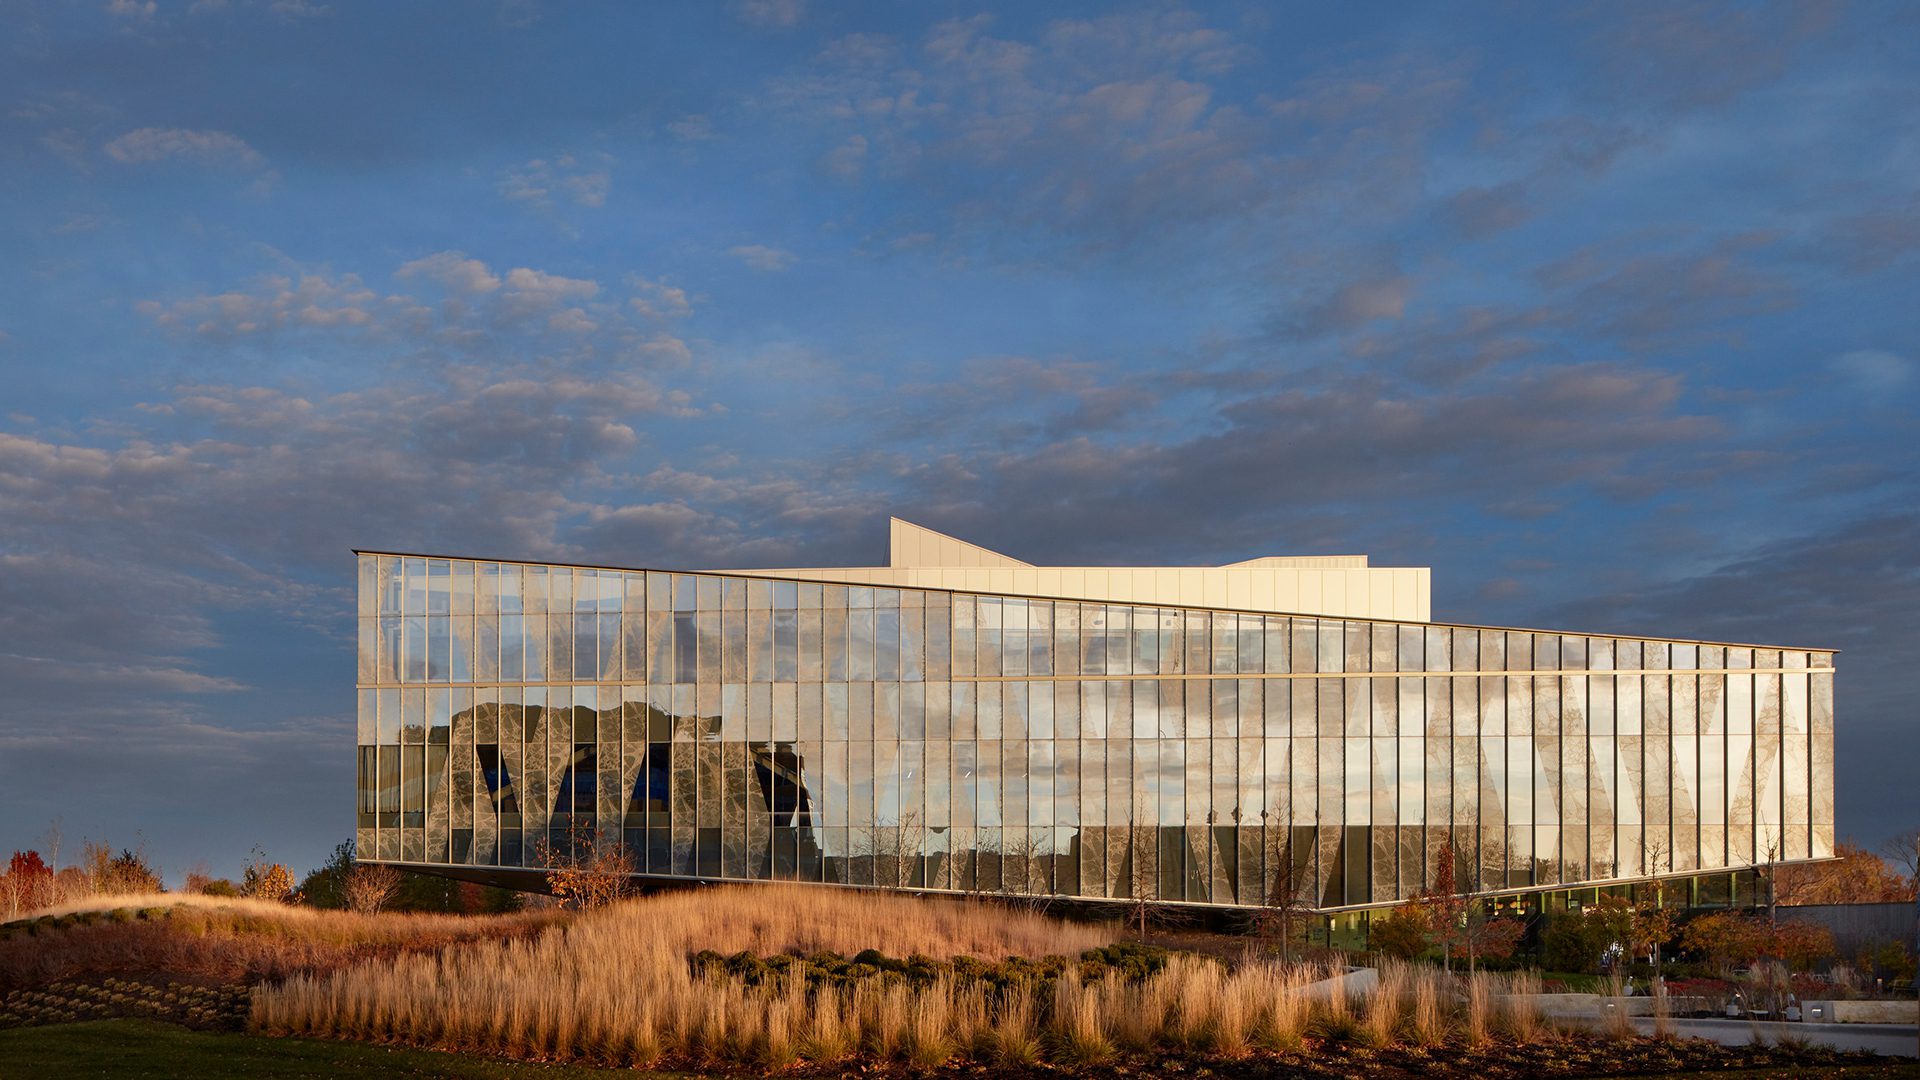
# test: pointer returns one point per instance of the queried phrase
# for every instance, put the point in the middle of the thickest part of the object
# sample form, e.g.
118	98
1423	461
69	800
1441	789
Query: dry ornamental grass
618	987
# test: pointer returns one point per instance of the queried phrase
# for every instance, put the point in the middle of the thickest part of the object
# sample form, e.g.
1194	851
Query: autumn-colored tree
1442	906
1458	923
263	879
118	875
583	874
1645	927
1801	945
1729	939
1725	939
27	884
28	865
1401	933
1496	937
207	885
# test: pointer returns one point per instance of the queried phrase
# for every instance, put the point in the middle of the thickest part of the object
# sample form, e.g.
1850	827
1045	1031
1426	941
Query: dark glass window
577	789
499	783
652	787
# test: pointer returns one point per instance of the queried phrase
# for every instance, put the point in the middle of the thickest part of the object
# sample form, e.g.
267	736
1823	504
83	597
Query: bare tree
1769	871
1142	876
370	887
896	848
1288	902
1903	851
1023	877
50	844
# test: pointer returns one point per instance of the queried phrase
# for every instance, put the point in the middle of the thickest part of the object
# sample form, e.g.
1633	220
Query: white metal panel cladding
731	727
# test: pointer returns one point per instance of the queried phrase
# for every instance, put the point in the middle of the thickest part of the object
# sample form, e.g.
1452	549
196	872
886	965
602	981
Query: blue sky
1607	313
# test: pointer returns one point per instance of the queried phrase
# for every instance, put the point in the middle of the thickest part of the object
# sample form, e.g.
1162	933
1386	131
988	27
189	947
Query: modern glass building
959	721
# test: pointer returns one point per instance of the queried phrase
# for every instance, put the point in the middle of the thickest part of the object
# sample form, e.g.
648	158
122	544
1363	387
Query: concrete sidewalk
1896	1040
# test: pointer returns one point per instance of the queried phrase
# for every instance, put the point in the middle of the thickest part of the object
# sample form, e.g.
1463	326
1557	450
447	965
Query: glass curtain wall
746	728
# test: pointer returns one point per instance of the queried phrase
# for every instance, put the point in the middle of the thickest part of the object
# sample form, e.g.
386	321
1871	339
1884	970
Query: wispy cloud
763	257
777	14
543	182
159	144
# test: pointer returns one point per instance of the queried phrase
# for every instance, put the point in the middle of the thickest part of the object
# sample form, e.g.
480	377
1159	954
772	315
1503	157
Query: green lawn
140	1049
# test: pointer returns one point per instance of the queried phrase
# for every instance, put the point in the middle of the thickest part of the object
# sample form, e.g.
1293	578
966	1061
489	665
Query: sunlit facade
752	726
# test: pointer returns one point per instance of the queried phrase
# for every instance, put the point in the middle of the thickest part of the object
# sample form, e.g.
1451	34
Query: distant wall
1855	926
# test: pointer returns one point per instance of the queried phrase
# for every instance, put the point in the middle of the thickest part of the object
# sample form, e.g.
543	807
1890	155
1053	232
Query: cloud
280	302
1698	54
1358	303
1878	237
1660	295
286	9
234	497
132	9
454	270
762	257
531	292
848	159
482	314
578	181
658	300
572	321
206	147
1115	132
771	14
1056	459
1874	370
1479	211
68	145
693	127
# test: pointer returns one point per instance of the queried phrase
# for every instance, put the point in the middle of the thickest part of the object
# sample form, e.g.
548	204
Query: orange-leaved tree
586	873
264	879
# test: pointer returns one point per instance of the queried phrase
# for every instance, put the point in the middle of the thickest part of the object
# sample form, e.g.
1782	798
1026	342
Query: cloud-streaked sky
1607	313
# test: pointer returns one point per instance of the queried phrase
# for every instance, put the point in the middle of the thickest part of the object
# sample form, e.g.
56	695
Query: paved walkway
1894	1039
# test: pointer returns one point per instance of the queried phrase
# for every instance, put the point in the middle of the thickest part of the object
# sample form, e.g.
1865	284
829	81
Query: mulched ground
1569	1058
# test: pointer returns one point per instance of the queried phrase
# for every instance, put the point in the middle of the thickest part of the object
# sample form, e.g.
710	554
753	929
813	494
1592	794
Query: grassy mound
168	945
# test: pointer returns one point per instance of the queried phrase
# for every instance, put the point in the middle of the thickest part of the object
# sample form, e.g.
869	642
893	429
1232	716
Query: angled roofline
762	575
894	532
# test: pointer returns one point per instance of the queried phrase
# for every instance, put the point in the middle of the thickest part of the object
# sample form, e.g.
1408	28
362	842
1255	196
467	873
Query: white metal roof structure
1336	586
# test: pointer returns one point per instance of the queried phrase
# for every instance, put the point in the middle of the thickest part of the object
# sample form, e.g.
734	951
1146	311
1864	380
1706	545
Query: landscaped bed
790	980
